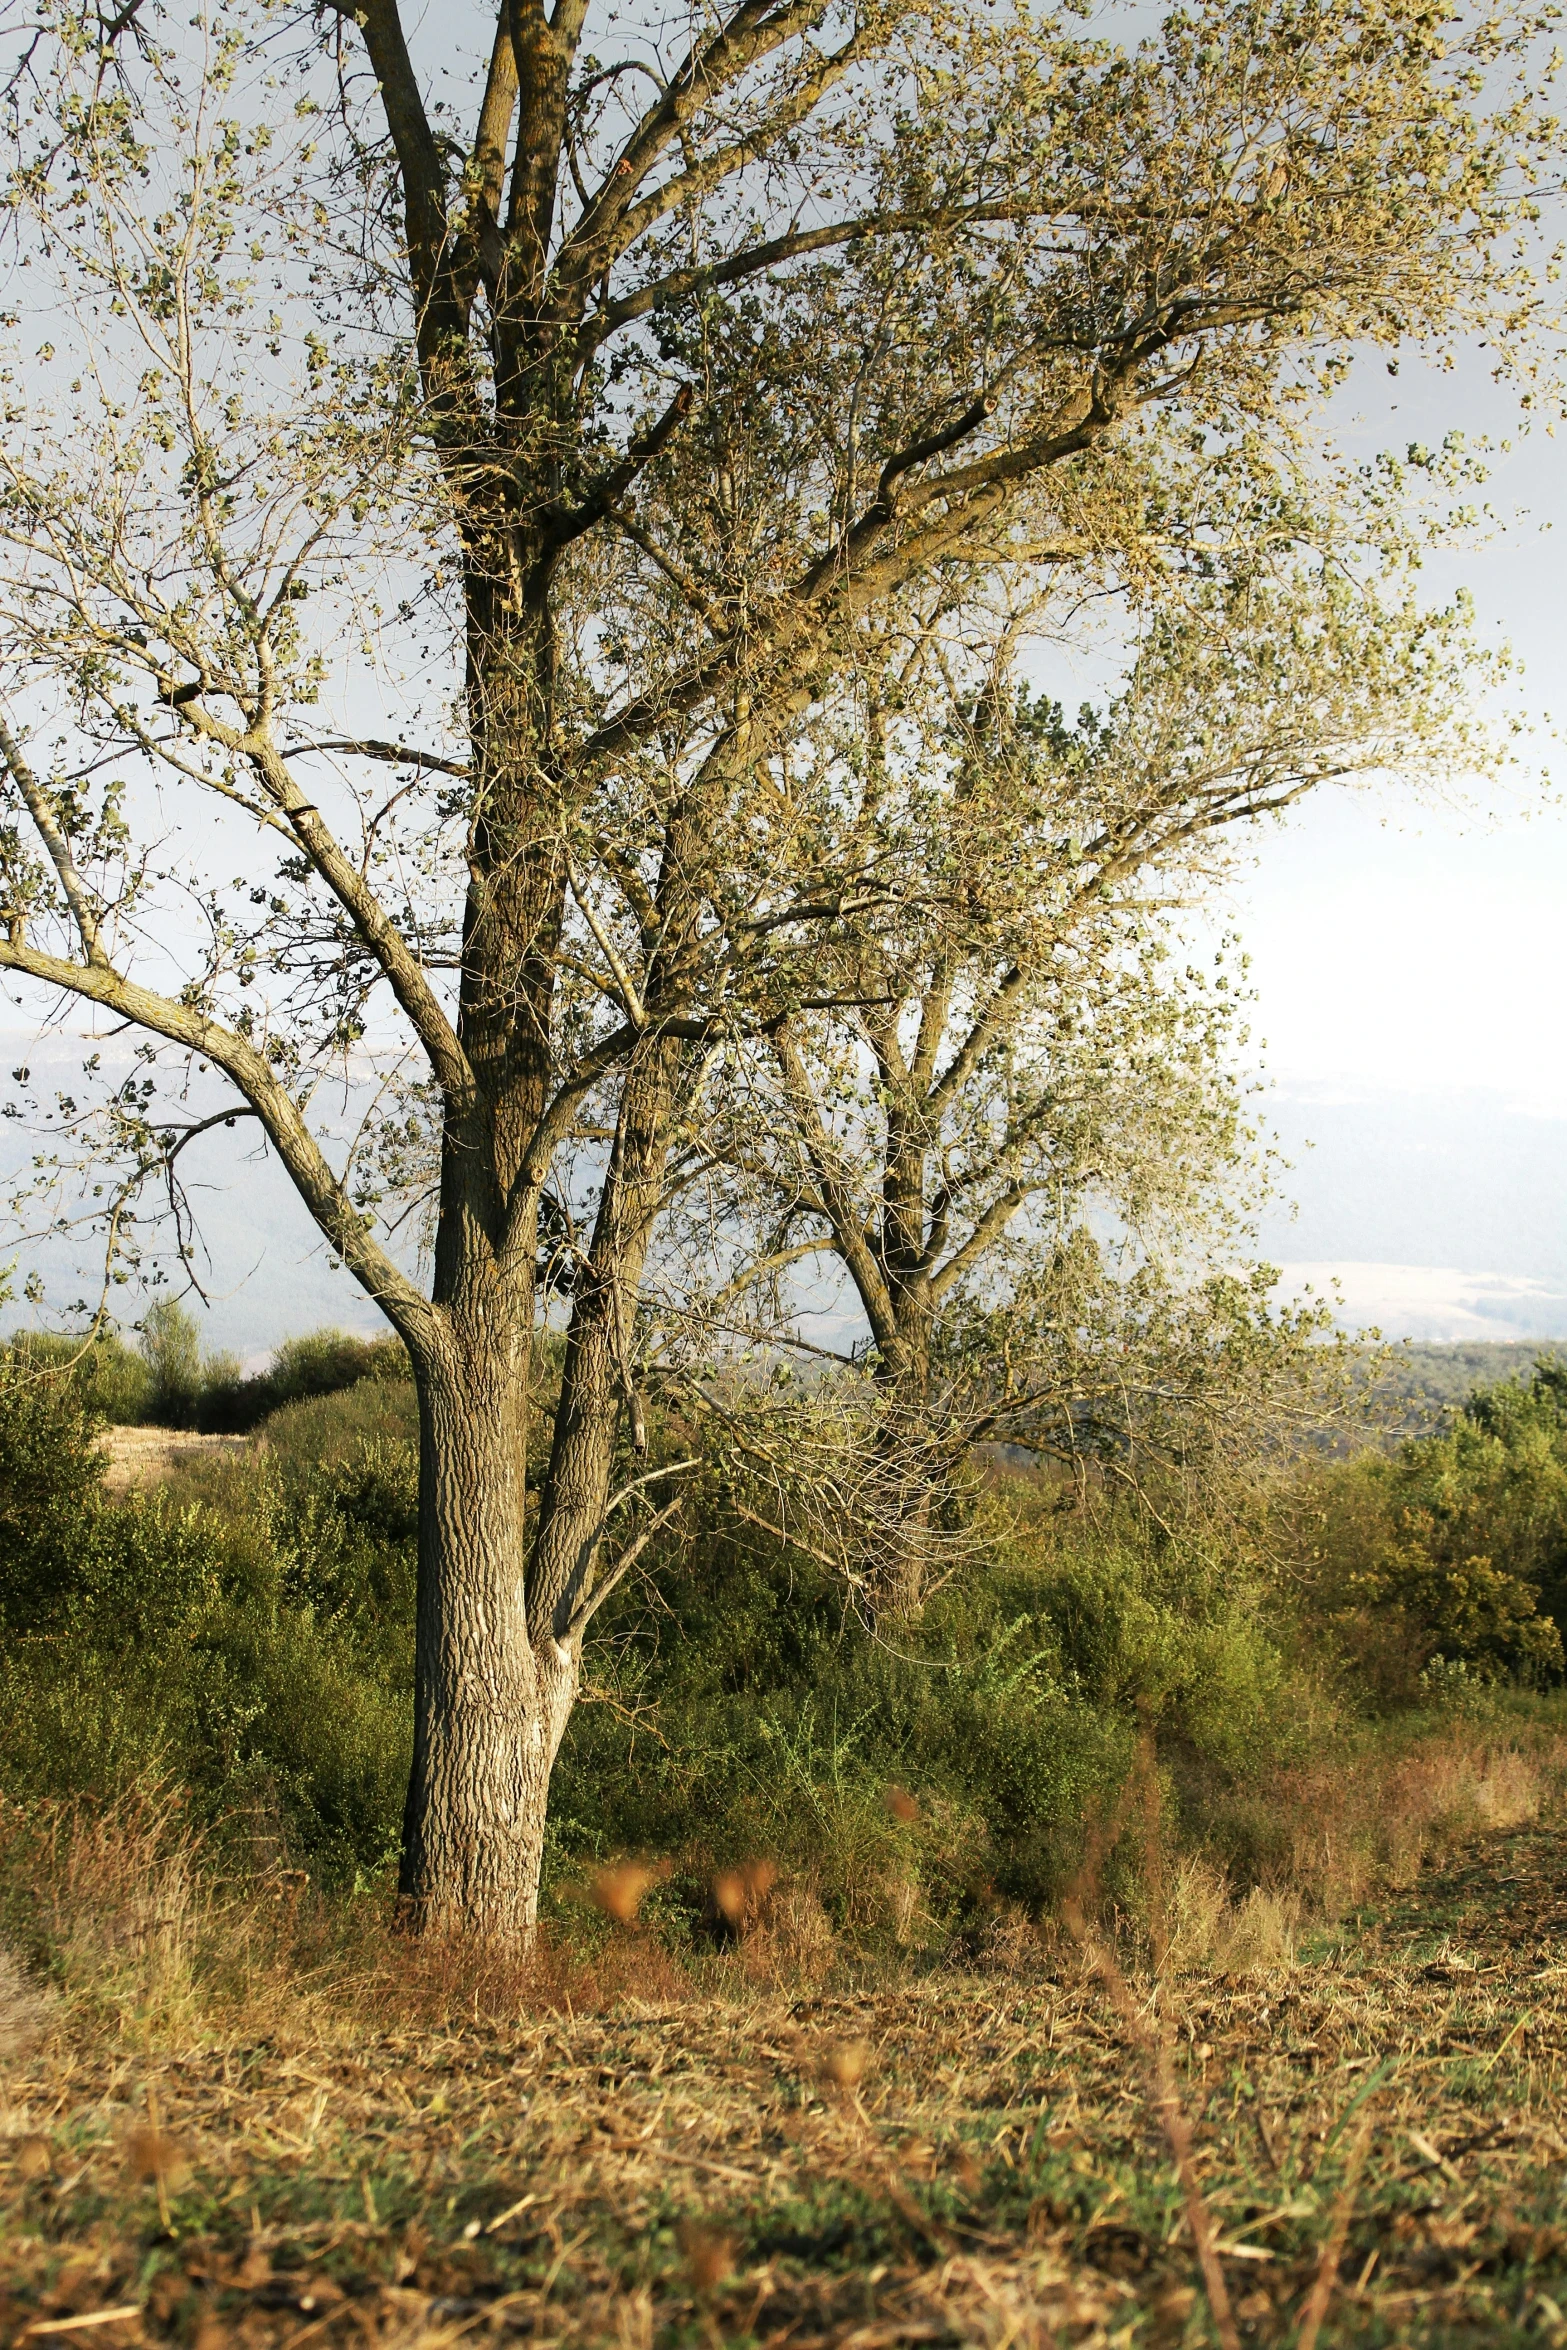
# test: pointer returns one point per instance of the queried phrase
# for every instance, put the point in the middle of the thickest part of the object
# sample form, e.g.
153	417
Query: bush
247	1633
324	1363
1455	1545
110	1380
252	1646
171	1348
51	1478
737	1706
167	1381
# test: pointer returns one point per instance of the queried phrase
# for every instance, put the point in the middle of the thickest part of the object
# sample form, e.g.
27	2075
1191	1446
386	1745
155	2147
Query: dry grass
24	2011
267	2121
1347	1825
143	1457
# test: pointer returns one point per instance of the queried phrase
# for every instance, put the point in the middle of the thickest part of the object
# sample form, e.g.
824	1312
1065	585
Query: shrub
1455	1545
736	1705
323	1363
51	1478
252	1644
247	1633
109	1379
168	1381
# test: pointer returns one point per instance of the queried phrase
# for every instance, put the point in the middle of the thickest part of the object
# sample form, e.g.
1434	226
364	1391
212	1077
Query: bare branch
410	1312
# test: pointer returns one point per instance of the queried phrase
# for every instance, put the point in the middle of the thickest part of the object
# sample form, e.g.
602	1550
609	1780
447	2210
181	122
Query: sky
1408	962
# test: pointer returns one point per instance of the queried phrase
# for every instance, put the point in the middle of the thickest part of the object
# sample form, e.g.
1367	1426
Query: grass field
963	2156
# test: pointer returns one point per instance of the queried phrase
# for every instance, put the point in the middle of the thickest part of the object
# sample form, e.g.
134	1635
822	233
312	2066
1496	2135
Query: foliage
248	1629
1421	1384
177	1375
1455	1545
169	1381
323	1363
110	1379
50	1482
252	1639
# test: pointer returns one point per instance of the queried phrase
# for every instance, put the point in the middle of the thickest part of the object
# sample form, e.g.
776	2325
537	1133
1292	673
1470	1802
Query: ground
959	2158
141	1457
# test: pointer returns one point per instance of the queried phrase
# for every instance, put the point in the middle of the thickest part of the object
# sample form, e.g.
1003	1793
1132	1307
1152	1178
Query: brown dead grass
24	2010
142	1457
986	2171
267	2119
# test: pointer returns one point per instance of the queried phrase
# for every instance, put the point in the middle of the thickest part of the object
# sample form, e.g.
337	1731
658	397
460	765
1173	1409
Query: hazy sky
1408	961
1421	945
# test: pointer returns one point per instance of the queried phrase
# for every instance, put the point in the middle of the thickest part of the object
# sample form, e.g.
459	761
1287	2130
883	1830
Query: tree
1004	1031
612	431
171	1350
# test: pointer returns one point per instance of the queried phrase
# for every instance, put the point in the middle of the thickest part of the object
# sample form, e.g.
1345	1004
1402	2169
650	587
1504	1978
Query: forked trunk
489	1710
502	1604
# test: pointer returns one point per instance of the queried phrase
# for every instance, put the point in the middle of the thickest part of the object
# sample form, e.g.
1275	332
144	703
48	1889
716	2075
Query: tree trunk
489	1711
499	1633
904	1457
500	1618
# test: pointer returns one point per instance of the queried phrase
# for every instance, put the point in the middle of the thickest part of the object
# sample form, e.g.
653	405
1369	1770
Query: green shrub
1454	1545
110	1380
253	1642
168	1381
51	1478
323	1363
247	1631
171	1348
737	1707
329	1431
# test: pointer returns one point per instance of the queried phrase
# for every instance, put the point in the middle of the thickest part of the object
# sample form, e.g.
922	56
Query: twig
1172	2121
120	2314
157	2160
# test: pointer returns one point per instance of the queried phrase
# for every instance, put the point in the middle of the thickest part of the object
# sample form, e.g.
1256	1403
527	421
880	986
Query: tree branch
578	1618
991	1225
389	754
640	453
407	1308
418	155
848	1232
84	911
750	33
404	972
791	245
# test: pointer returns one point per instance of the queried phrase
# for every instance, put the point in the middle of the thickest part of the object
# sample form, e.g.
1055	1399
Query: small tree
613	431
171	1350
1004	1039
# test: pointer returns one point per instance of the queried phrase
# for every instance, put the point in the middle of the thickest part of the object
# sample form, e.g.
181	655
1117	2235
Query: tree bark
489	1708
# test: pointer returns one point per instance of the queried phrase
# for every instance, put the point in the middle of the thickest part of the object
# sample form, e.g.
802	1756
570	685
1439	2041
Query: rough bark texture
489	1709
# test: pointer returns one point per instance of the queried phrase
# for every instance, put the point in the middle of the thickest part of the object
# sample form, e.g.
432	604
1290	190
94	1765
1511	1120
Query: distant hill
1434	1380
1395	1176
